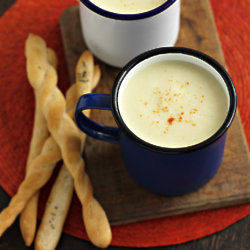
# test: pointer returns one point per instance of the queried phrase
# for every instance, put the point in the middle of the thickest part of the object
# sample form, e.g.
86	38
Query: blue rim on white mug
136	16
168	171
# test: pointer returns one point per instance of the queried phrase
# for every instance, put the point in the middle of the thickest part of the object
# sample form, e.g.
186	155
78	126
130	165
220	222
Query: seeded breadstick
28	218
56	210
58	203
66	134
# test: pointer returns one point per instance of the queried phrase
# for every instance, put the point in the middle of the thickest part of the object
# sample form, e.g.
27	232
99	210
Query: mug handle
96	130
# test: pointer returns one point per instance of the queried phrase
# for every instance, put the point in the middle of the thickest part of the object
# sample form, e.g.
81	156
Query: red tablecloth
17	107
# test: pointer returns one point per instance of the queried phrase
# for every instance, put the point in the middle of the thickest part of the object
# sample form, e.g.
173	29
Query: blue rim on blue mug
168	171
136	16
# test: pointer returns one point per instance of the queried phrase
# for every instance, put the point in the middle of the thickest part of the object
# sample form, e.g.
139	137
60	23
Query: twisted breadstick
58	203
33	181
39	169
28	218
66	134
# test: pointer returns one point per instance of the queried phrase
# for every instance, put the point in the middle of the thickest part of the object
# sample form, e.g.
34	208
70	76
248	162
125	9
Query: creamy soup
128	6
173	104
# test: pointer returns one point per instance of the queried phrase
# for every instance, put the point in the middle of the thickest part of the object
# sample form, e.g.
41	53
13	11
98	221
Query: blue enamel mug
163	170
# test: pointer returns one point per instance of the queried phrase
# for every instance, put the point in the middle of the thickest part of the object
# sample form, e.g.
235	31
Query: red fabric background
17	105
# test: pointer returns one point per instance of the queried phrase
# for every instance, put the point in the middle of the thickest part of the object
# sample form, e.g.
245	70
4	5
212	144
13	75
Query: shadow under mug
169	171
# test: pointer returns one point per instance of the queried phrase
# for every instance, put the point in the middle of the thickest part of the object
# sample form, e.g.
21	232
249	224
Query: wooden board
122	198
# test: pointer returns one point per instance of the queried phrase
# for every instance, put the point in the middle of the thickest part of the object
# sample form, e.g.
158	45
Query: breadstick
66	134
57	207
28	218
52	58
58	203
42	168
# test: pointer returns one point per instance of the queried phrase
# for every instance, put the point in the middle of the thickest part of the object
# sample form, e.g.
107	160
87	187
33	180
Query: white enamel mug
117	38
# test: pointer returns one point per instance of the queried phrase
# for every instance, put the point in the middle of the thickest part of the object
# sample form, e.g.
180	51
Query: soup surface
173	104
128	6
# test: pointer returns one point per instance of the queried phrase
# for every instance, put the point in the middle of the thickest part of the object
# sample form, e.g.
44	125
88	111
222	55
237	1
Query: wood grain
122	198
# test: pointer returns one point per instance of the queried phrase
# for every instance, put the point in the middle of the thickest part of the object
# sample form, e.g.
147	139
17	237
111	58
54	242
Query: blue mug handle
96	130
